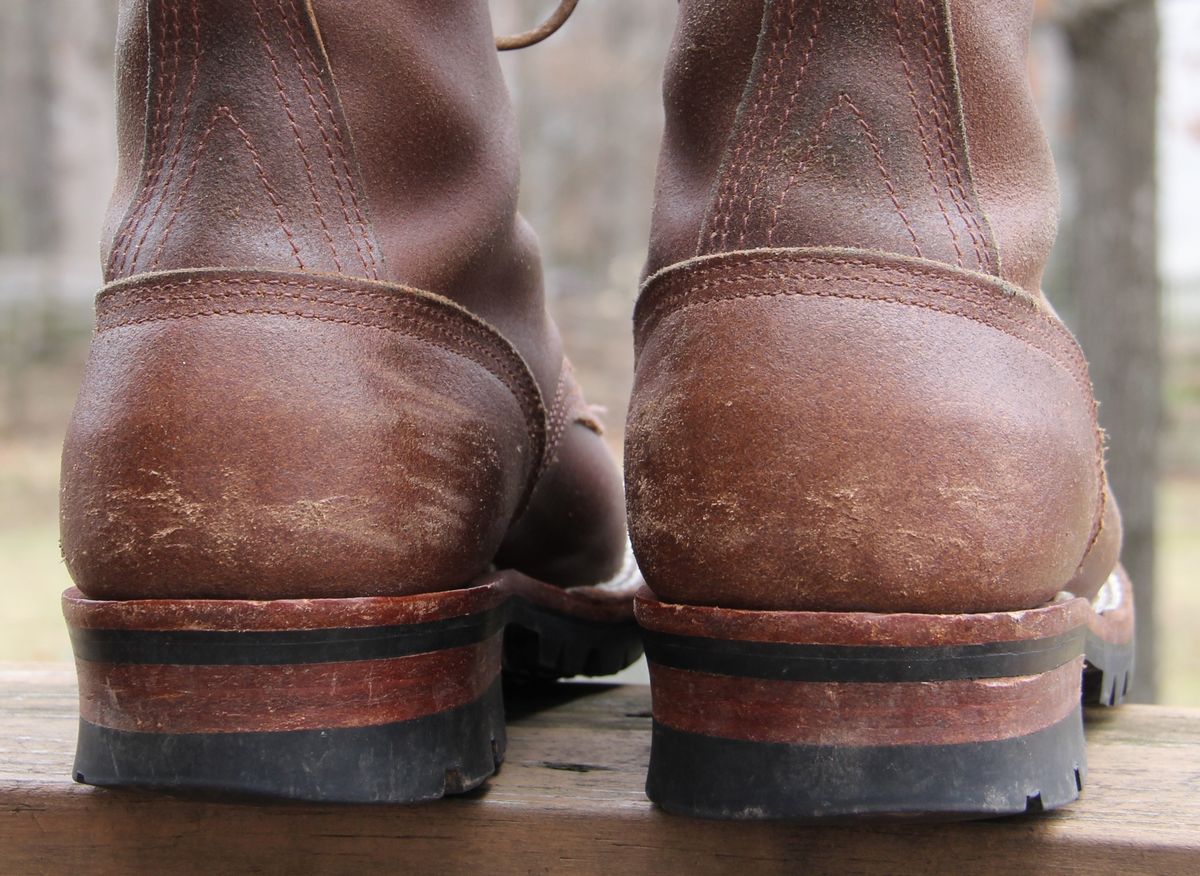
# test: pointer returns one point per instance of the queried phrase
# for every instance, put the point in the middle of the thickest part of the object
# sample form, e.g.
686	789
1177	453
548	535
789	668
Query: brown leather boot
866	484
327	446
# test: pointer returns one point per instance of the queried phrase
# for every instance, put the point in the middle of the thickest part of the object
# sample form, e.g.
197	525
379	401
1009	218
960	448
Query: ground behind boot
865	478
327	448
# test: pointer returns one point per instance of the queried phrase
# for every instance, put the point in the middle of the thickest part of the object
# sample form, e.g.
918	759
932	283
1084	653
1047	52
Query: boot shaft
900	126
373	139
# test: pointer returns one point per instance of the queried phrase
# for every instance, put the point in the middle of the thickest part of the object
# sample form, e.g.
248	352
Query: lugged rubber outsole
809	715
368	700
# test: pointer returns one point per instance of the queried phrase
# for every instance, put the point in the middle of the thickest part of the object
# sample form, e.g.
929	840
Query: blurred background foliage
589	106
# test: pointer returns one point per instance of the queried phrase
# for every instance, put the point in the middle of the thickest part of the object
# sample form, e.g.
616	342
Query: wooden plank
569	800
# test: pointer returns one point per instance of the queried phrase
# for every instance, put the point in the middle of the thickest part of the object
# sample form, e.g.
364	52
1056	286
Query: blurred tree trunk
1113	265
28	223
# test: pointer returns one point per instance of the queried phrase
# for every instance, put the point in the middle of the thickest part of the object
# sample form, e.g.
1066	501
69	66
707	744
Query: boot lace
530	37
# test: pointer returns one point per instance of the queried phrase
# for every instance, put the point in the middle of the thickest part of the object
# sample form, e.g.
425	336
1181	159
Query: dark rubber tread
748	763
708	777
449	750
410	761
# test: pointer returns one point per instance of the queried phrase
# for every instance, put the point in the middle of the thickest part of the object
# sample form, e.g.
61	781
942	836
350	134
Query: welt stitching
287	108
912	96
946	150
312	103
118	258
814	30
515	378
343	153
176	152
728	190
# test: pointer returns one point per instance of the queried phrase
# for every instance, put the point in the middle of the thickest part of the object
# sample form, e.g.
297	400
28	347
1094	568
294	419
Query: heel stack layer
376	699
807	715
372	699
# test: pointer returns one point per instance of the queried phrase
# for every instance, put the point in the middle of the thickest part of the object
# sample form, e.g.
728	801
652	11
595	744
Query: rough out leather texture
833	430
344	142
815	123
244	126
850	393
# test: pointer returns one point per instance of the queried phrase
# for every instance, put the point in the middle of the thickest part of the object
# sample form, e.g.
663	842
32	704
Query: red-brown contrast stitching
946	150
1006	319
729	186
180	131
289	27
959	173
262	176
155	147
344	155
287	108
300	314
912	97
799	169
843	99
176	151
765	164
677	291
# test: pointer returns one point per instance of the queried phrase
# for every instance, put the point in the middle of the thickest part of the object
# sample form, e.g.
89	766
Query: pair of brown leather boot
329	472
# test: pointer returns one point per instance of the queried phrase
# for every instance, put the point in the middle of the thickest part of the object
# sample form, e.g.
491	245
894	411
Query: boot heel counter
274	435
844	431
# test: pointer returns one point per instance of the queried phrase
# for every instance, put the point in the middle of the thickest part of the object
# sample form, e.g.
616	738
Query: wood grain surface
569	800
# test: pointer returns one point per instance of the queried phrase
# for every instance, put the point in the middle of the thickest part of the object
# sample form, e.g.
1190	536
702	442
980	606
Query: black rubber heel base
710	777
407	762
1108	673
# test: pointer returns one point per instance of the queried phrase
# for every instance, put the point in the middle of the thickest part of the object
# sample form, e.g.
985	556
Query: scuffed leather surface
370	139
208	457
895	428
841	430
